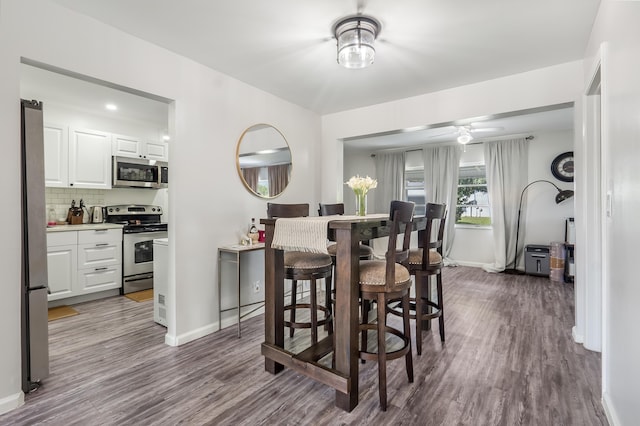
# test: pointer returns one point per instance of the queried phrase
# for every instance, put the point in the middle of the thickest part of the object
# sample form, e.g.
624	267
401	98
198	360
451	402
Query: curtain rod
530	137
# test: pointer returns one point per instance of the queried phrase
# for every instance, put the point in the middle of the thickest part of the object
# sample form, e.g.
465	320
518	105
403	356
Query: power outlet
256	287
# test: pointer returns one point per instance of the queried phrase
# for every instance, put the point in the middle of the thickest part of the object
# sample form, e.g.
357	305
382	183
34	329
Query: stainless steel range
142	224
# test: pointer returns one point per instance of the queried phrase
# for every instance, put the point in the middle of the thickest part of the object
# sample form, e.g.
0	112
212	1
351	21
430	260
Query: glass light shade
355	37
464	138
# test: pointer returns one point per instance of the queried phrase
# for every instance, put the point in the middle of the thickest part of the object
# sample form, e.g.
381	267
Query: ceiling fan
466	133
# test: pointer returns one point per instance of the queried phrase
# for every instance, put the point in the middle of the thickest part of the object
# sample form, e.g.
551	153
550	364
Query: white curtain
390	176
507	172
441	169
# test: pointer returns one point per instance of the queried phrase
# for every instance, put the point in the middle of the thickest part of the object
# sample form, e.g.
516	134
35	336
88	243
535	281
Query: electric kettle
97	214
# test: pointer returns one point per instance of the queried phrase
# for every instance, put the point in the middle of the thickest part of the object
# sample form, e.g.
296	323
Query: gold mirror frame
263	160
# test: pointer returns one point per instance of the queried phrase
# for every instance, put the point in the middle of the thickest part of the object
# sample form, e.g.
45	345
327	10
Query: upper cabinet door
129	146
126	146
158	151
56	156
89	159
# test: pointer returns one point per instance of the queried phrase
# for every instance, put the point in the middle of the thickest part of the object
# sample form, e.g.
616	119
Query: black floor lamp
563	194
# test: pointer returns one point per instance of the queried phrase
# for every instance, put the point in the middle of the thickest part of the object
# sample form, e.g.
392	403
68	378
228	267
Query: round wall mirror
263	159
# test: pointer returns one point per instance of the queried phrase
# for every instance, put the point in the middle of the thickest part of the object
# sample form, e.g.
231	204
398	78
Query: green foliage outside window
472	204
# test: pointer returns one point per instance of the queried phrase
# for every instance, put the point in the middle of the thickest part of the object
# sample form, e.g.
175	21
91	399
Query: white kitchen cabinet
62	264
83	262
156	150
132	147
89	159
98	279
56	155
99	260
126	146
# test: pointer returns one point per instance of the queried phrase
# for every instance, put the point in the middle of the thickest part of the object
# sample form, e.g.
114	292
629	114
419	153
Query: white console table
247	265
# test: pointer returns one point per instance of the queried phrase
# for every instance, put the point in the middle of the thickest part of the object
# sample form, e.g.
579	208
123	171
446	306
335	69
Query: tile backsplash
60	199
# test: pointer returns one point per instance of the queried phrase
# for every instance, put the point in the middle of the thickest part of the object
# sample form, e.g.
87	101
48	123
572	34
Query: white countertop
83	227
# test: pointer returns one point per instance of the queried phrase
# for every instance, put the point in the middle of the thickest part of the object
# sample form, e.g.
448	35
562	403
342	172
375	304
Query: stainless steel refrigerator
35	333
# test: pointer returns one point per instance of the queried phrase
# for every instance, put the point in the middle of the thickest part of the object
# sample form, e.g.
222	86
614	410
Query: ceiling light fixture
355	36
464	137
111	107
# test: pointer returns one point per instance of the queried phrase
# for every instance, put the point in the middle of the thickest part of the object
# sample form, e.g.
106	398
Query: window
473	199
414	190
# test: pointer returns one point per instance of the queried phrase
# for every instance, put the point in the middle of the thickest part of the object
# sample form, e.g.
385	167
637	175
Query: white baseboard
472	264
578	338
609	411
84	298
190	336
170	340
11	402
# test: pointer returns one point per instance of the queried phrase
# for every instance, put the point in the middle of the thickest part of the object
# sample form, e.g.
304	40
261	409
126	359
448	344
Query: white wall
616	26
543	221
358	162
208	204
547	86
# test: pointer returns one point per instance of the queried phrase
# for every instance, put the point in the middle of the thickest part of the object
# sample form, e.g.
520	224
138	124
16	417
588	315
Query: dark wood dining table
347	233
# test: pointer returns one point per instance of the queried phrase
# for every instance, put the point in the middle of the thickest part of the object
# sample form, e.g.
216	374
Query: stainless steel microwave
139	173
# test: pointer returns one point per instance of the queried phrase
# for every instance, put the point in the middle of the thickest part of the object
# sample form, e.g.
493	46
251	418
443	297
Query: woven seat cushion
364	250
372	272
300	260
415	257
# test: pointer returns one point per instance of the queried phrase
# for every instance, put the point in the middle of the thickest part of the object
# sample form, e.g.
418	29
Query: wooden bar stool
424	263
305	266
382	281
366	252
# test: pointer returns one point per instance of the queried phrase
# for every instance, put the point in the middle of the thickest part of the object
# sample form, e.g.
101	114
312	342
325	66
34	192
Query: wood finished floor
508	360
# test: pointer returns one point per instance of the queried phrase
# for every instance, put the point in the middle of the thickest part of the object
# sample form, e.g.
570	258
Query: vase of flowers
360	187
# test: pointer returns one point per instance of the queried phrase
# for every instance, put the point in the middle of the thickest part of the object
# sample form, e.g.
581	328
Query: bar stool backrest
330	209
275	210
401	215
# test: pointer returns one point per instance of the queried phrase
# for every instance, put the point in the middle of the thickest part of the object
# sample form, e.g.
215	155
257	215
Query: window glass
414	190
473	199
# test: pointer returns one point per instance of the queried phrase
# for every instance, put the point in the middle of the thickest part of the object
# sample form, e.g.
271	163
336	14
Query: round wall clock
562	167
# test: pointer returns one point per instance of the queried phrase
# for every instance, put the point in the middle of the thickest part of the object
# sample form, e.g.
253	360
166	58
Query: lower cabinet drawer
100	254
100	278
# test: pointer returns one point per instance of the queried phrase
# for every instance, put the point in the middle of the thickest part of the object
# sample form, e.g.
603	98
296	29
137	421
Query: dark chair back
432	236
330	209
287	210
401	215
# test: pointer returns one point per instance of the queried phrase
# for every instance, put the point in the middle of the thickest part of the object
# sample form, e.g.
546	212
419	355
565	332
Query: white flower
361	185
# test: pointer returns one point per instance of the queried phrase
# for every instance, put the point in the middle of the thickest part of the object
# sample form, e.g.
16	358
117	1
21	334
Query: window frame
488	206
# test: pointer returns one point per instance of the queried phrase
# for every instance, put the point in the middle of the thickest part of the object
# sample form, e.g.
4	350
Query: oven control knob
117	209
153	209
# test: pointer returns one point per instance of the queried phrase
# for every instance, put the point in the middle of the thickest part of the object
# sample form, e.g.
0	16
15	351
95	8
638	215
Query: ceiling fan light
464	138
355	37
